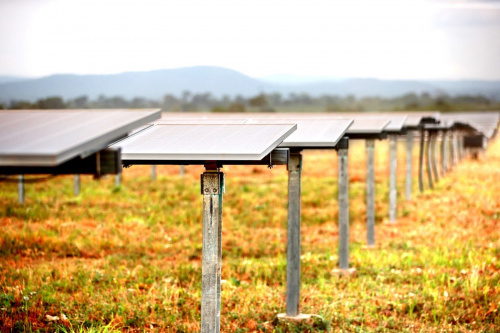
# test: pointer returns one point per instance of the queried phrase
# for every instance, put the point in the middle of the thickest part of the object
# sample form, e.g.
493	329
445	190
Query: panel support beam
370	192
393	192
428	155
293	228
409	164
343	202
104	162
433	140
444	154
153	172
421	161
212	189
20	189
76	185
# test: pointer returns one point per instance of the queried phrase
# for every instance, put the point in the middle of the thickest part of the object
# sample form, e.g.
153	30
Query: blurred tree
170	102
236	107
50	103
219	108
80	102
258	101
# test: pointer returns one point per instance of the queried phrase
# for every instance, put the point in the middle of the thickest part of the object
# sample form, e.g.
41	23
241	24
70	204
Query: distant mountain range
222	81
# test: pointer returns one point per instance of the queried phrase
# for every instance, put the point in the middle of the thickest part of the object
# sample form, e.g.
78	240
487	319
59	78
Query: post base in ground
344	272
298	318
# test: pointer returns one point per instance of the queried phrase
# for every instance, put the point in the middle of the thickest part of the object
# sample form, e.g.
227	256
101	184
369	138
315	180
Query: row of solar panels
77	141
48	138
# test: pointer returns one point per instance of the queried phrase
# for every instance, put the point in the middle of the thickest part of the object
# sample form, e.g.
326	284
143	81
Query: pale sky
389	39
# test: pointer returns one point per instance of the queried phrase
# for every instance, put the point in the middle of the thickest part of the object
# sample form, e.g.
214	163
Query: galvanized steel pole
118	179
76	183
182	171
421	161
212	188
370	192
409	164
293	245
343	202
20	189
428	160
455	147
443	153
393	193
153	172
433	156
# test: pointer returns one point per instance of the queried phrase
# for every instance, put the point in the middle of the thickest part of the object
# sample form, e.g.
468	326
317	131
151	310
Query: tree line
192	102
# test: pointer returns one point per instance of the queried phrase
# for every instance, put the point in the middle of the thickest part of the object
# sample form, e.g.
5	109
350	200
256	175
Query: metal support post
409	164
20	189
212	189
460	146
76	187
118	179
452	150
153	172
293	245
443	153
343	202
428	160
433	140
181	172
421	161
370	192
455	148
393	193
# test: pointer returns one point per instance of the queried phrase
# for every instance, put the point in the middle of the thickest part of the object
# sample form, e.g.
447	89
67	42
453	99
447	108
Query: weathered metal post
118	179
455	147
370	192
461	155
182	171
343	202
20	189
421	161
443	153
409	164
293	246
76	185
153	172
428	159
212	189
433	140
393	192
452	150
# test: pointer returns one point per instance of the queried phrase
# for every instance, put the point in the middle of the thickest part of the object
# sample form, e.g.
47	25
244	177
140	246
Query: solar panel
312	133
180	121
51	137
204	142
484	122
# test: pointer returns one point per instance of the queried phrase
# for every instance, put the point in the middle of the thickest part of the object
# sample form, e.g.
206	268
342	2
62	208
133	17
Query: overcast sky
404	39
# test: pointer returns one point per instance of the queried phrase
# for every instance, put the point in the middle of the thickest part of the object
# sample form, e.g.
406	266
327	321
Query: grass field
128	258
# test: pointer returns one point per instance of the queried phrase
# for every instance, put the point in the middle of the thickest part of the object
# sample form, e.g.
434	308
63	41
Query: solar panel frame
204	142
47	138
